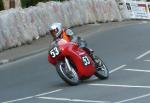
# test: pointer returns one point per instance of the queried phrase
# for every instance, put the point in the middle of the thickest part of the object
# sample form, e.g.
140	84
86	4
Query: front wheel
101	70
70	77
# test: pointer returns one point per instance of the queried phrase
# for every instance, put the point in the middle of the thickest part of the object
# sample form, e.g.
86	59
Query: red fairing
76	55
51	60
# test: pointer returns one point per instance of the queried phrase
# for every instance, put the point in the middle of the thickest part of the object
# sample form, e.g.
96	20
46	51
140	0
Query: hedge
1	5
27	3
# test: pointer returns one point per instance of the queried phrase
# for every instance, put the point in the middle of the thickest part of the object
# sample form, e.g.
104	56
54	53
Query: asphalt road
125	50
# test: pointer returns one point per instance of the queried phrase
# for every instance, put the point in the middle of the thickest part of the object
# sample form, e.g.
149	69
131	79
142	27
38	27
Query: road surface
125	50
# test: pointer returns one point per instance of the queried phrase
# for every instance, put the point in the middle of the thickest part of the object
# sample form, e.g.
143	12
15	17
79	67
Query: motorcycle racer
73	62
58	31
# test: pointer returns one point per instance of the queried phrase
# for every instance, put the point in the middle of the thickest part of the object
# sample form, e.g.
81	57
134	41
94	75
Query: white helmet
55	29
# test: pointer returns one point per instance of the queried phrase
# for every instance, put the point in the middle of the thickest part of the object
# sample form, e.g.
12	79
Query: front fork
68	64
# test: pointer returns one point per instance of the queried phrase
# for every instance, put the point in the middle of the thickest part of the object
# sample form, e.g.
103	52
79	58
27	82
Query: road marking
73	100
25	98
135	98
144	54
147	60
138	70
122	66
124	86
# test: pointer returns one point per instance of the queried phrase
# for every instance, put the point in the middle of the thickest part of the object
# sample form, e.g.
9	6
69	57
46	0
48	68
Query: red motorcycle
74	64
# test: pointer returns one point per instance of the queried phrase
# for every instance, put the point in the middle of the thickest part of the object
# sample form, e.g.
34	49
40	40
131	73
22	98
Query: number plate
54	52
86	60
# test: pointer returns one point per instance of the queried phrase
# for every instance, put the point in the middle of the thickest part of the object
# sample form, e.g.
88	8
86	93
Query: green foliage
27	3
1	5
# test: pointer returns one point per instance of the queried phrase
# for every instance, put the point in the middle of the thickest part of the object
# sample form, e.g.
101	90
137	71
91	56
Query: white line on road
124	86
122	66
58	90
73	100
135	98
147	60
144	54
25	98
138	70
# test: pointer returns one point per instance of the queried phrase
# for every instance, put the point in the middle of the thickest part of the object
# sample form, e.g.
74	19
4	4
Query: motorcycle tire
70	77
102	71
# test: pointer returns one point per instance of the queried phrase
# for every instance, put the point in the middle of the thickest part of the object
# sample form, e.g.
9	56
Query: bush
1	5
27	3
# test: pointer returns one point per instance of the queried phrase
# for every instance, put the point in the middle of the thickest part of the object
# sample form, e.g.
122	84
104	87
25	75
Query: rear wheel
101	70
70	77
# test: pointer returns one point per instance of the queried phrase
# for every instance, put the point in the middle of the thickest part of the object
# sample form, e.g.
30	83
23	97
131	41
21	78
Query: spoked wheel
70	77
101	69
